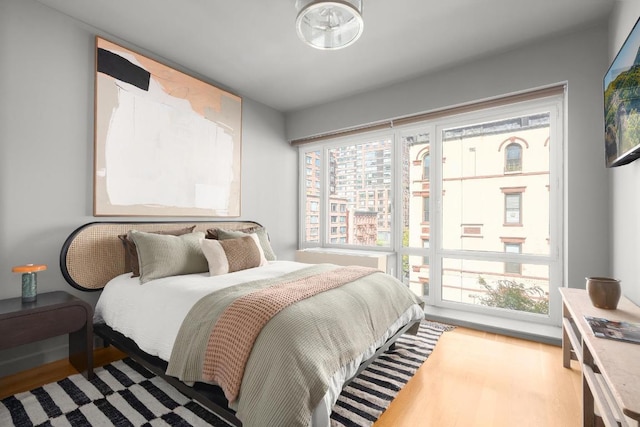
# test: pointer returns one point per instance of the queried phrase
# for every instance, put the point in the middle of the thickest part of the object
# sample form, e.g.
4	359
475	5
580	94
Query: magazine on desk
614	329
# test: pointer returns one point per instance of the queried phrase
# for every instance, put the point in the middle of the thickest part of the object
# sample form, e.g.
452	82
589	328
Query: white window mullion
436	218
324	205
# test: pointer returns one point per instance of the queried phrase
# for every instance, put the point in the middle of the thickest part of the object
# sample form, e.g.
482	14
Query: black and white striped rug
125	394
370	393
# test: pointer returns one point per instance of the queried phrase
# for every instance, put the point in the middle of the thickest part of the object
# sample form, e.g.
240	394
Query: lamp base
29	287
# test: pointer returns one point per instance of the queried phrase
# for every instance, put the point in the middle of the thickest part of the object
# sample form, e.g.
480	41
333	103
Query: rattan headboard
93	254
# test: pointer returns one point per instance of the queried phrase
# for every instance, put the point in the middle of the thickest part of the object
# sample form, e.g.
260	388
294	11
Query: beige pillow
131	253
263	237
167	255
227	256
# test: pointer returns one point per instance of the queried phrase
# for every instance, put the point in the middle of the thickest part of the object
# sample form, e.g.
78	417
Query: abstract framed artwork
166	143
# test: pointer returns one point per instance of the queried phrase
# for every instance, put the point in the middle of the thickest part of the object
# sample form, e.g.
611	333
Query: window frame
555	104
325	188
509	163
512	265
508	210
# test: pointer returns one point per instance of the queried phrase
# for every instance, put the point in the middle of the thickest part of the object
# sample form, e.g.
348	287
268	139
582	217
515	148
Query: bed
257	340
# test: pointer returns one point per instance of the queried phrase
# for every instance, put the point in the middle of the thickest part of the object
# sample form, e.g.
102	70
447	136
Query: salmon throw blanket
236	330
297	352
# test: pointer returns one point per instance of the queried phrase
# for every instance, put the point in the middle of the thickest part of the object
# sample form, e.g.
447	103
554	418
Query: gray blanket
300	349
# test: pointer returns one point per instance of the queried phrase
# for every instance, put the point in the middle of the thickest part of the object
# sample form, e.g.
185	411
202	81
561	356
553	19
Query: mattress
151	315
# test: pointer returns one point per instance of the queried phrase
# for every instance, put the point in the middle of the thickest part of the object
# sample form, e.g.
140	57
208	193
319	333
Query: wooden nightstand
52	314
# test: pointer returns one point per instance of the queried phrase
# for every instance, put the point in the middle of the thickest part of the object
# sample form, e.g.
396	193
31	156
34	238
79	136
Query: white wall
580	59
625	180
46	156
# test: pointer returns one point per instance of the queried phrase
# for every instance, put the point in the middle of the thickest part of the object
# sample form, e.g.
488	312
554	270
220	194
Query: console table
52	314
610	368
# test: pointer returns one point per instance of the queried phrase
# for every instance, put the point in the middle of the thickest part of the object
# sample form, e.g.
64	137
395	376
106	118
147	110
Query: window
512	213
355	188
416	208
436	194
484	274
513	267
426	167
425	209
513	158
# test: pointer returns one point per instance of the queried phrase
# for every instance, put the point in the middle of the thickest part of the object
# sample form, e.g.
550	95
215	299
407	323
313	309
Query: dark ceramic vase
604	292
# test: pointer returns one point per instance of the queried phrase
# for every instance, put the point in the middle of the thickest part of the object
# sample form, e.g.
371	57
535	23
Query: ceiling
250	47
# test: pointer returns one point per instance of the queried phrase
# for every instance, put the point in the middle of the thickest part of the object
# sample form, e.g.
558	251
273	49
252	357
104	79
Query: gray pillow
132	253
165	255
259	231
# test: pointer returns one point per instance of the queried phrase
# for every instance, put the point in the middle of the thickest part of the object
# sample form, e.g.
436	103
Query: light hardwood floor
480	379
472	378
51	372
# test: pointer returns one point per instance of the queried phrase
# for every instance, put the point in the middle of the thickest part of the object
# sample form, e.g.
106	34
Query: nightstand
52	314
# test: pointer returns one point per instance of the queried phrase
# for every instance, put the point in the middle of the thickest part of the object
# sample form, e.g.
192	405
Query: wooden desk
610	369
52	314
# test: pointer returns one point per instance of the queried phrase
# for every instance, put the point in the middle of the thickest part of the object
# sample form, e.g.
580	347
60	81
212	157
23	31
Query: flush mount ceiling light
329	25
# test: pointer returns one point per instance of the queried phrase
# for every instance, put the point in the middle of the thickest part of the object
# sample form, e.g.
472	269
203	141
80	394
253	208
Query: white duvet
151	315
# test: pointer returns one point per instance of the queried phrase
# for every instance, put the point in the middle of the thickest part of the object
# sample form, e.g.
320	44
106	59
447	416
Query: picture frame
621	85
166	143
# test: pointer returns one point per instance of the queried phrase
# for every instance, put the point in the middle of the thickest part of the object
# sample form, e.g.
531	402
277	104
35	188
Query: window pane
514	158
480	199
415	189
484	283
362	192
312	197
415	210
512	208
415	271
513	267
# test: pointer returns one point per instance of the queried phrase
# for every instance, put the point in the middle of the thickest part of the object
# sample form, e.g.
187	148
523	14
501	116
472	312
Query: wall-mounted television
622	103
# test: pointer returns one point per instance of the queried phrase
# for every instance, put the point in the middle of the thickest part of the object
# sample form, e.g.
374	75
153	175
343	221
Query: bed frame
93	254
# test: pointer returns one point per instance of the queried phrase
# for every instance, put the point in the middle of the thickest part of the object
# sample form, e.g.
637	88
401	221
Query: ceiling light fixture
329	25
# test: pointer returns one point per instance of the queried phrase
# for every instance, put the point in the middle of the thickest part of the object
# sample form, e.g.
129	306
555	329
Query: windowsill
342	251
547	334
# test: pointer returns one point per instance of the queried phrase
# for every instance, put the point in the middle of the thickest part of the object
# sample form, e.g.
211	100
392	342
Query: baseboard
547	334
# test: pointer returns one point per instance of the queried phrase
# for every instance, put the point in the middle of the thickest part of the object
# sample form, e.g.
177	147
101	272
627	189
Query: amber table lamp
29	280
